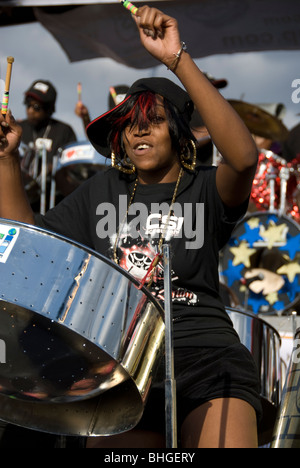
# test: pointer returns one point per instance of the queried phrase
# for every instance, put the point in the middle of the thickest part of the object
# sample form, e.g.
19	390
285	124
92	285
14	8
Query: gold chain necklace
150	273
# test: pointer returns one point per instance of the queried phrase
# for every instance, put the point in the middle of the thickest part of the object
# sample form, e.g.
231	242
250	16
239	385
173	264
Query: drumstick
79	91
133	9
113	94
129	6
4	107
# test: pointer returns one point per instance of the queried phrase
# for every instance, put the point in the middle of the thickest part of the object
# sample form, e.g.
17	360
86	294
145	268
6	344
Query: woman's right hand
159	33
10	135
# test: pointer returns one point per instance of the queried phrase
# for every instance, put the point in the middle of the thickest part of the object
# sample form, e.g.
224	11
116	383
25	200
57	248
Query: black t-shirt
200	226
55	134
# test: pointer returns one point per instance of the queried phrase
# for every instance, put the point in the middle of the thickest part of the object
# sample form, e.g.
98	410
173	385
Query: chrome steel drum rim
81	161
83	153
287	428
68	317
263	341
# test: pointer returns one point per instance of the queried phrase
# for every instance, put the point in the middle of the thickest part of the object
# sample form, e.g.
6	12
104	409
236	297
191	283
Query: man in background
42	132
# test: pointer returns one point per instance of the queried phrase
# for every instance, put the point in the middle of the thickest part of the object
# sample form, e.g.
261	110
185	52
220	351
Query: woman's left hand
159	34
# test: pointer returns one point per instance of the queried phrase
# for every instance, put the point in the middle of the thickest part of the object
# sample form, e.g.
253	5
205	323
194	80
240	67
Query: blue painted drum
264	247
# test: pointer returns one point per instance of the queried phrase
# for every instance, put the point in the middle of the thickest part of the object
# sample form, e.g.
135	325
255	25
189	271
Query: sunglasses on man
35	107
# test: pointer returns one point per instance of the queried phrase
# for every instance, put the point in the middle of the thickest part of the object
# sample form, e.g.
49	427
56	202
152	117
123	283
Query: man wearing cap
40	128
41	131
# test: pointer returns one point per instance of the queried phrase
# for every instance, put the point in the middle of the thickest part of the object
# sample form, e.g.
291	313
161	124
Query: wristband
174	64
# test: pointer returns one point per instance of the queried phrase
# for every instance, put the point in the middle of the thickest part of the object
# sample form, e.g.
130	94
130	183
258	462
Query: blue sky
260	77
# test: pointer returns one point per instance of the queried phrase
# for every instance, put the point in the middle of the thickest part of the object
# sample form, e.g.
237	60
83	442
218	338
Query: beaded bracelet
174	64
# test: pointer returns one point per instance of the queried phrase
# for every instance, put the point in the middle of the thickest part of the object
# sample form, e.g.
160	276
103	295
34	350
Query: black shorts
204	374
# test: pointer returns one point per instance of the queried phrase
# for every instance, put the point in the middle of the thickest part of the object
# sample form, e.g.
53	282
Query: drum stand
271	177
43	181
41	153
53	182
284	178
170	384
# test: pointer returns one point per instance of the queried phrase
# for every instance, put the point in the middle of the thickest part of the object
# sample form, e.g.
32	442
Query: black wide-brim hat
98	130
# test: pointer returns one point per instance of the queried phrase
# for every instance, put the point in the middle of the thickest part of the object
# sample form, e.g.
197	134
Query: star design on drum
233	273
290	270
292	246
293	289
278	306
242	254
253	223
251	234
272	298
275	234
257	301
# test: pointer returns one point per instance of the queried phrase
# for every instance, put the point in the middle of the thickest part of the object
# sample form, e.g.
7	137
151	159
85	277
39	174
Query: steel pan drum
271	166
82	342
266	244
269	163
77	163
293	189
287	428
264	342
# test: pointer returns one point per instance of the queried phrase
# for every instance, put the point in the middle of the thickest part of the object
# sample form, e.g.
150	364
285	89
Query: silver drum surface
81	342
287	428
263	341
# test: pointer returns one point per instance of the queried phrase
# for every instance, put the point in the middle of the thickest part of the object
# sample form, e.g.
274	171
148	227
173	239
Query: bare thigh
221	423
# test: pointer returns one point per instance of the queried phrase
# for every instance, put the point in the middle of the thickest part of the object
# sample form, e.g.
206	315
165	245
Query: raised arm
83	113
160	36
13	200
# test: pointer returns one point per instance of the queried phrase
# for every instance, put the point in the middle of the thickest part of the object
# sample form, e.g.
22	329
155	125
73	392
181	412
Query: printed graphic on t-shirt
137	247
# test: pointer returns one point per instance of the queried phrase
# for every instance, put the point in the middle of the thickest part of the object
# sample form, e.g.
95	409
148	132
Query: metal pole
53	182
170	383
271	176
43	181
286	432
35	161
284	177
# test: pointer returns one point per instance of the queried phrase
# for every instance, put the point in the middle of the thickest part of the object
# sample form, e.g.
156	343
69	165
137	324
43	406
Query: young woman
168	199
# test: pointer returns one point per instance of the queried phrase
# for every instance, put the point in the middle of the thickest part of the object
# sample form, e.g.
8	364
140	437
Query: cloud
254	77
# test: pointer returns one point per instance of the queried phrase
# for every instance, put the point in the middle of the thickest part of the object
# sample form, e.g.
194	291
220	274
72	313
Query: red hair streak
141	115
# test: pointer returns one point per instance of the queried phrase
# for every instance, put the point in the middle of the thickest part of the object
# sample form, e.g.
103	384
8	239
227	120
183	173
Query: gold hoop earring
184	159
122	166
